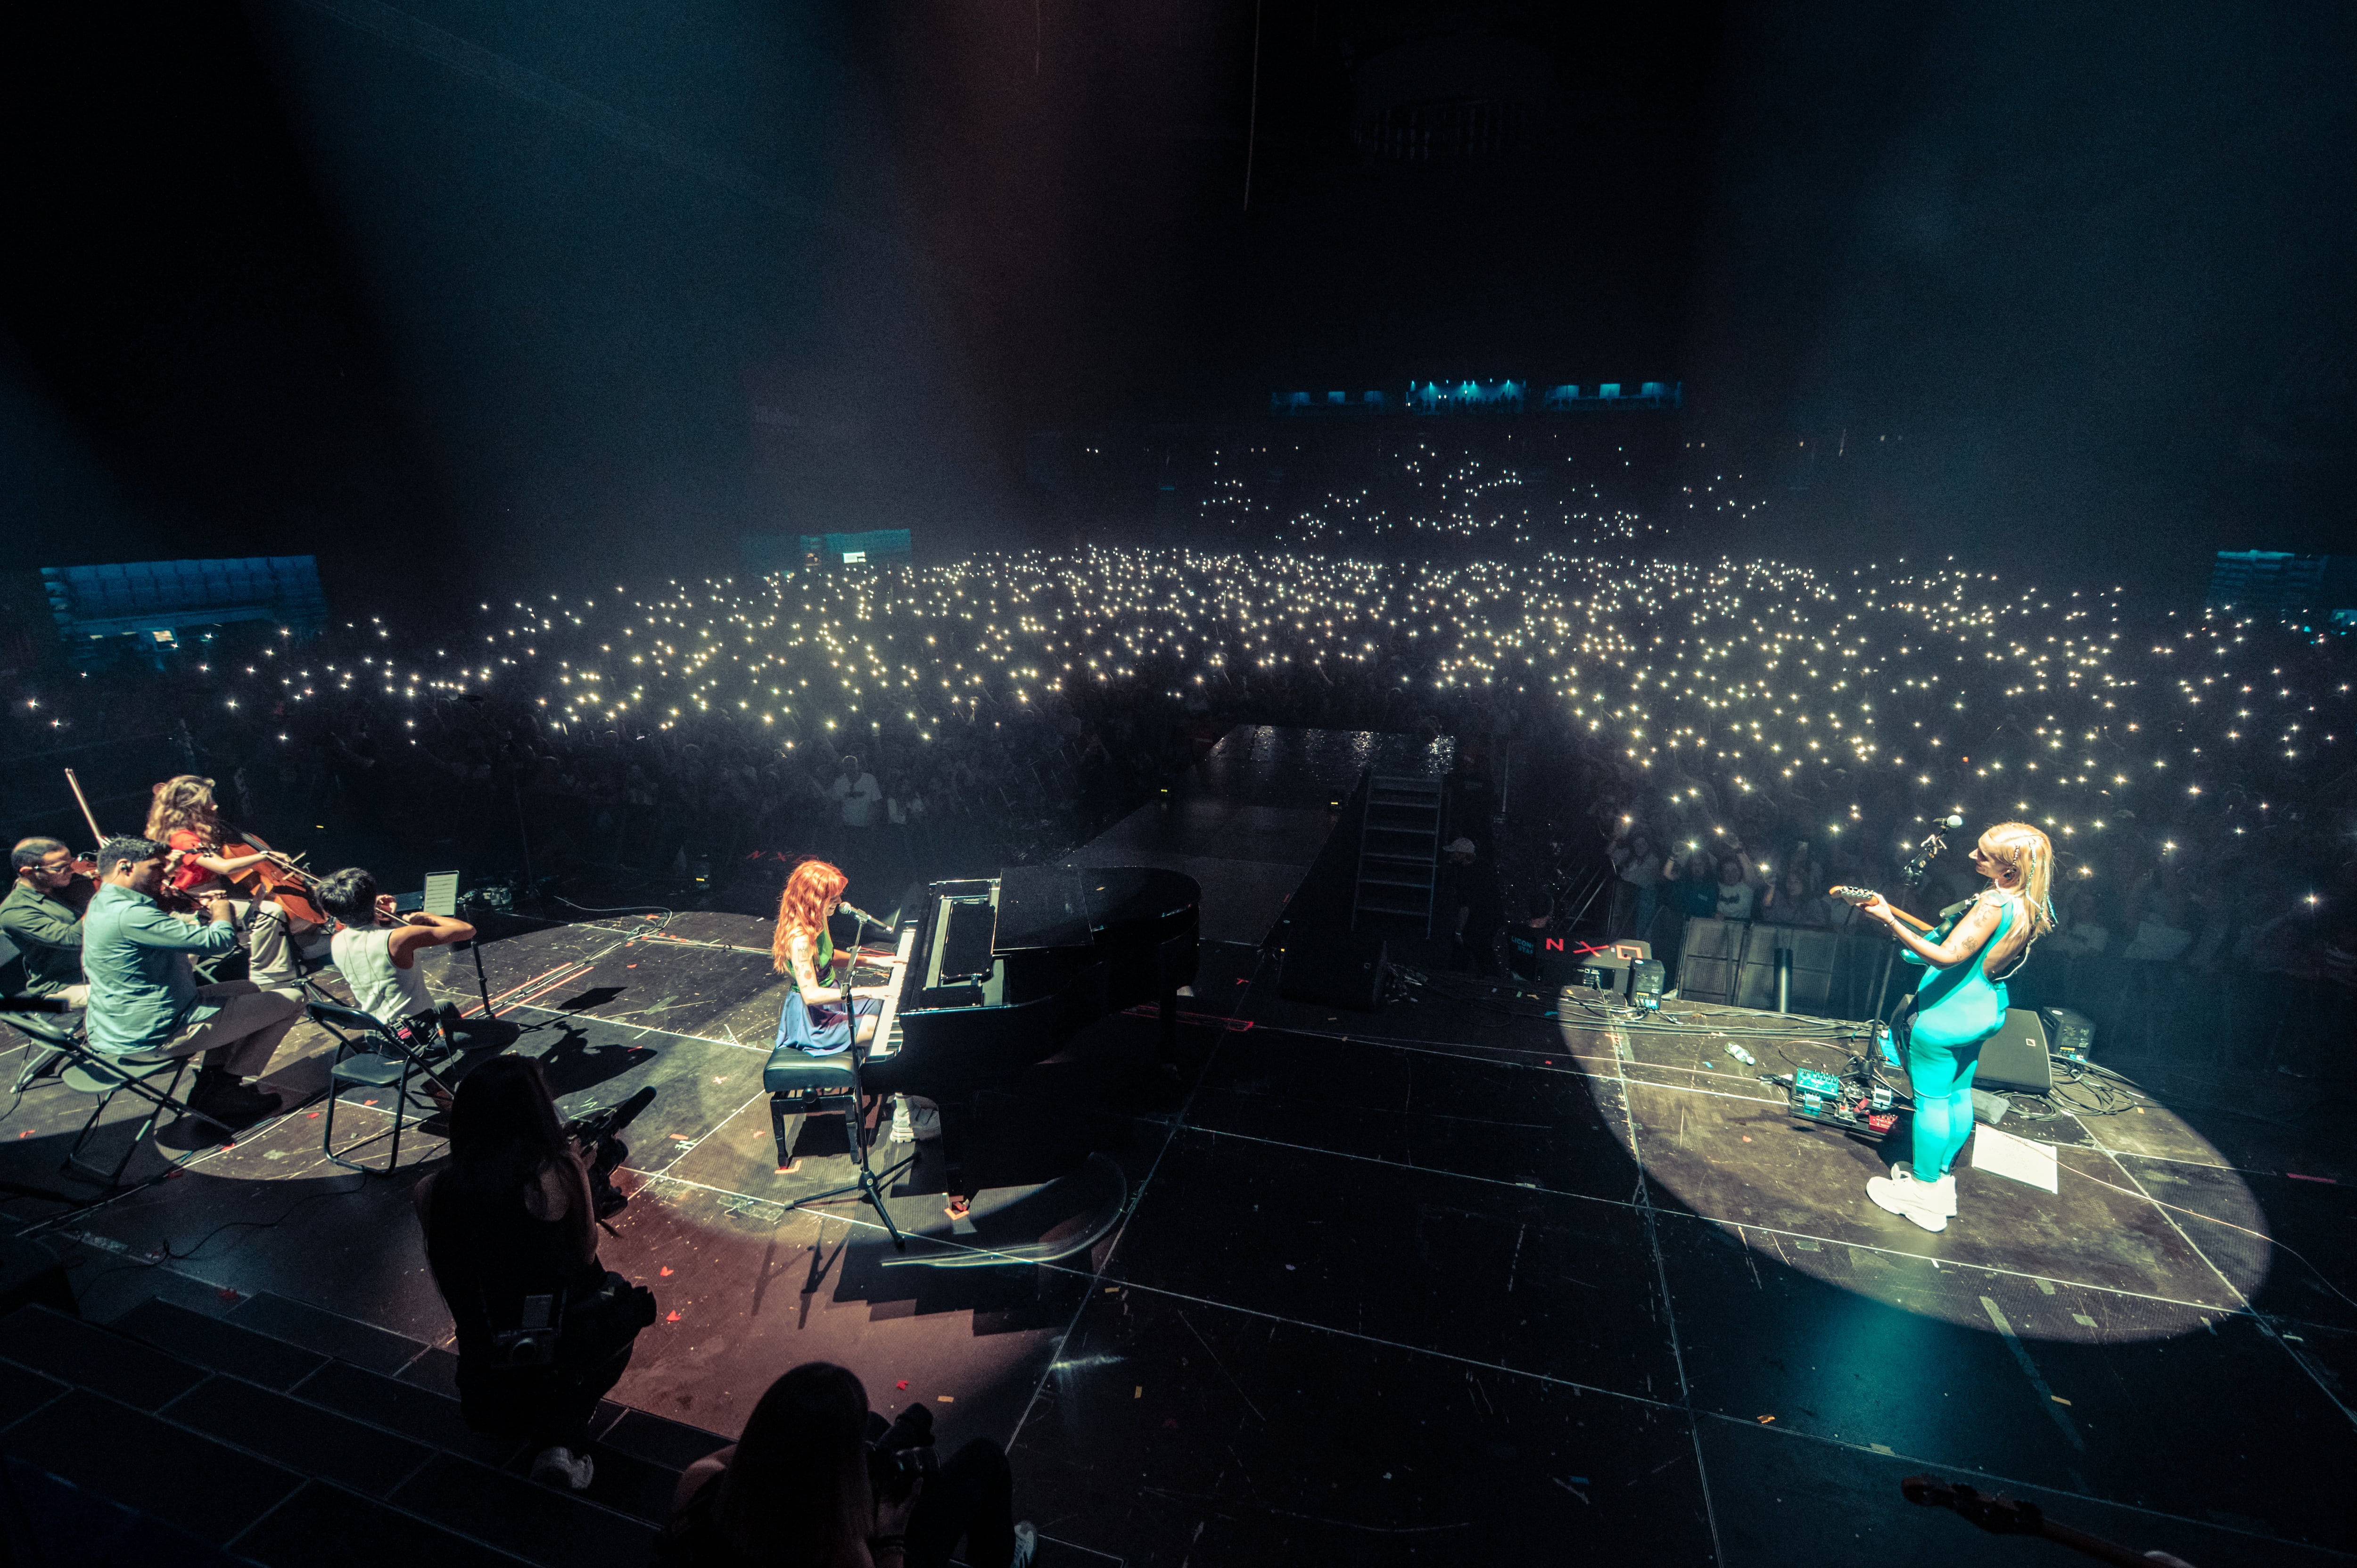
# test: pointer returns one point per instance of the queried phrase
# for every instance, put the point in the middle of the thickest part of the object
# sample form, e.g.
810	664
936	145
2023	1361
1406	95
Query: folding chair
92	1072
367	1054
41	1051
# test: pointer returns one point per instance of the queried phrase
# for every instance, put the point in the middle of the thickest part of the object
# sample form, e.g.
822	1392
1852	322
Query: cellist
185	818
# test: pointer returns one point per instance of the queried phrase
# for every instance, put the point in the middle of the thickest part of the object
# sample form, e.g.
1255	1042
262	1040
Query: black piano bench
802	1085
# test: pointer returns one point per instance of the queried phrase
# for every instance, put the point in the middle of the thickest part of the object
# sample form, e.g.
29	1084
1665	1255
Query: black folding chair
43	1056
369	1055
94	1072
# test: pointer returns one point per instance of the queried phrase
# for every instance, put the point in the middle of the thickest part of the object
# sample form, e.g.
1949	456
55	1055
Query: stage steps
1399	853
252	1433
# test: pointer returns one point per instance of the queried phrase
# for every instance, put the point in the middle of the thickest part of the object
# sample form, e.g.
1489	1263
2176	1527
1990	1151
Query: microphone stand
1912	871
868	1187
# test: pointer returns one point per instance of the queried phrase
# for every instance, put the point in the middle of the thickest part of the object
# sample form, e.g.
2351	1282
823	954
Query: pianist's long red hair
801	908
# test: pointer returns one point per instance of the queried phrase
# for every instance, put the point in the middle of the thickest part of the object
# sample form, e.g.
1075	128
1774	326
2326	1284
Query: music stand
868	1187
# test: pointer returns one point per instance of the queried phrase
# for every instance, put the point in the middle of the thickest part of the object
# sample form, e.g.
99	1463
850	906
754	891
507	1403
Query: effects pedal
1822	1100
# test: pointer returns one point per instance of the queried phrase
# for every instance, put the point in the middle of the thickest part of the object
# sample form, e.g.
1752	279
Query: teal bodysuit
1955	1010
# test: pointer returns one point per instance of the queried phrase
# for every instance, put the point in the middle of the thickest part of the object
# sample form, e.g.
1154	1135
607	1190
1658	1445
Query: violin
275	876
168	898
75	894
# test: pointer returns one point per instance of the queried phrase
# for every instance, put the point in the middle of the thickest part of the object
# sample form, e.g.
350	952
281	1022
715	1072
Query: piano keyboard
887	1023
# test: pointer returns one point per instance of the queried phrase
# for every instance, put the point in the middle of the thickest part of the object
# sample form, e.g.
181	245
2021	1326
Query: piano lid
1123	895
1041	907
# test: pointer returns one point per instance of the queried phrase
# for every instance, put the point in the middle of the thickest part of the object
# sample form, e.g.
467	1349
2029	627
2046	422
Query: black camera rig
600	1135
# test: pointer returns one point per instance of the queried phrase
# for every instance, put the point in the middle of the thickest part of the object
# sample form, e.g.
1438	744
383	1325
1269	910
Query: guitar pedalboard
1857	1106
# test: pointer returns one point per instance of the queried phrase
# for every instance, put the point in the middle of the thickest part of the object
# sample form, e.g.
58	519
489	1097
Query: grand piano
995	974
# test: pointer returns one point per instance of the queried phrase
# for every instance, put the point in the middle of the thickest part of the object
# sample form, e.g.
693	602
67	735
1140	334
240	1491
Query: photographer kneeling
819	1481
543	1330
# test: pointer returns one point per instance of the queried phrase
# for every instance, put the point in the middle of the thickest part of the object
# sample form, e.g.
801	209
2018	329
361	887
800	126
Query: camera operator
376	950
820	1481
543	1330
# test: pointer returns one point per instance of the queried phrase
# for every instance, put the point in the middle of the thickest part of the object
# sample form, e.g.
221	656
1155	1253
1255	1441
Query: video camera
600	1135
902	1455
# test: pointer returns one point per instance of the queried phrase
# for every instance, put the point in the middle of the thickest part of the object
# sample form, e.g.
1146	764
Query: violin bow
82	801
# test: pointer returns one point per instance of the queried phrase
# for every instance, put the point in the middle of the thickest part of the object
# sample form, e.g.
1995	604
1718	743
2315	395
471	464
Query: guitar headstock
1861	896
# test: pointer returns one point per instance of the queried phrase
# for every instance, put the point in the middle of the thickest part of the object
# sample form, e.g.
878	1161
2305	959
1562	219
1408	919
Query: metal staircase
1399	851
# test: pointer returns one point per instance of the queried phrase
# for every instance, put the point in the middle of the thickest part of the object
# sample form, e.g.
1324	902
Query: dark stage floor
1437	1284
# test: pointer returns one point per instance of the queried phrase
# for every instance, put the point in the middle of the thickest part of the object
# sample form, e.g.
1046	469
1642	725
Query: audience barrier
2216	1016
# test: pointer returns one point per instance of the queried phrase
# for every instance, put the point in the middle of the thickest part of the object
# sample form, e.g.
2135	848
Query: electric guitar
1931	932
1862	897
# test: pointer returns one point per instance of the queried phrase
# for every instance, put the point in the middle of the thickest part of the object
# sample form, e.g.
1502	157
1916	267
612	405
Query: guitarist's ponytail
2030	851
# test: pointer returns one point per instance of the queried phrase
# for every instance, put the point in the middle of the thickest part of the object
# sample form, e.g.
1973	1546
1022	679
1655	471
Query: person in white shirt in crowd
1734	890
2083	933
856	793
376	951
2161	930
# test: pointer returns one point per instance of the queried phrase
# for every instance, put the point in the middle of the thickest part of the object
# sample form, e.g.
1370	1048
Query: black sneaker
232	1103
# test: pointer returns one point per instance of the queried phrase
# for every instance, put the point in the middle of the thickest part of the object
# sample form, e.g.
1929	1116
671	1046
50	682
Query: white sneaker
557	1466
1945	1186
1027	1541
902	1132
1902	1195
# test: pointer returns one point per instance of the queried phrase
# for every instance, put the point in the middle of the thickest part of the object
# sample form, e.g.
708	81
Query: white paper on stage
2003	1155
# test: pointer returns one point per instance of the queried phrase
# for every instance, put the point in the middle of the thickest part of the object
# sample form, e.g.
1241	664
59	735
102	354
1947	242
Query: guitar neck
1860	895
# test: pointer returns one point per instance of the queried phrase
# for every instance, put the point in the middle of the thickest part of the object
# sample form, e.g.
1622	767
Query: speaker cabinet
2015	1055
1334	969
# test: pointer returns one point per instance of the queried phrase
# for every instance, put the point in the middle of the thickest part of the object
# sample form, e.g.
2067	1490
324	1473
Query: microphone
1954	822
864	915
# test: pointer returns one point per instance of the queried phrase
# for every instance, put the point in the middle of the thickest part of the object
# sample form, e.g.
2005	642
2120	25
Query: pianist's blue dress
820	1028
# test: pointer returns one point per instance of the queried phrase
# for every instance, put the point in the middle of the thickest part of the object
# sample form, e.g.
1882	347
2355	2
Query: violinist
376	953
145	1002
185	818
42	916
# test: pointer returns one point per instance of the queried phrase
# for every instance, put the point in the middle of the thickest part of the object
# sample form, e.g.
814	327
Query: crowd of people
1421	487
1743	734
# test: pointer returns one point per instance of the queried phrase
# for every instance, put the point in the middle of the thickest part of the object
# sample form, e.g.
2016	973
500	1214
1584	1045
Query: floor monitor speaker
2015	1055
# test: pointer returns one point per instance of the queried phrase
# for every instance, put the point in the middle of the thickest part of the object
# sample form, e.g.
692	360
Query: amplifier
2073	1033
1564	961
